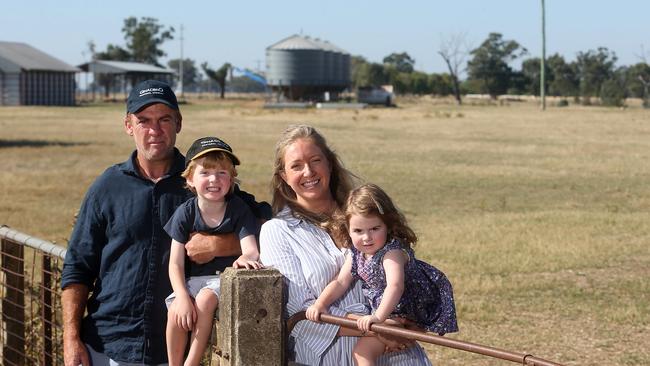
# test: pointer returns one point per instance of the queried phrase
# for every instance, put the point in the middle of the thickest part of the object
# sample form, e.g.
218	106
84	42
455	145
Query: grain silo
304	68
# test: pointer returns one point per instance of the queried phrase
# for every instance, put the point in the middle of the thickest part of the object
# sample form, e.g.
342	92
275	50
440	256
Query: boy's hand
365	321
183	312
313	312
244	262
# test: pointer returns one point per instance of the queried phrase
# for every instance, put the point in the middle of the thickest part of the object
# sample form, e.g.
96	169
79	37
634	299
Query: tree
490	63
639	82
401	61
530	72
562	77
454	51
190	72
367	74
219	75
144	38
594	68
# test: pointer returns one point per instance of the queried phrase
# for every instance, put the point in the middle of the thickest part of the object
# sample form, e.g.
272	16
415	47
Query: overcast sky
239	31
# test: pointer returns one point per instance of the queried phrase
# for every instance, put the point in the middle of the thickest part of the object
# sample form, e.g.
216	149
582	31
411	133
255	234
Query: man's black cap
150	92
205	145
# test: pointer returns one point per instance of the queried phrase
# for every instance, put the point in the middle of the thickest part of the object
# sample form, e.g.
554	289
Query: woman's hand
393	343
183	312
313	312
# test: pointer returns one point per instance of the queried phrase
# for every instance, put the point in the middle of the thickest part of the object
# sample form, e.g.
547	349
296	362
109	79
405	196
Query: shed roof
299	42
123	67
17	56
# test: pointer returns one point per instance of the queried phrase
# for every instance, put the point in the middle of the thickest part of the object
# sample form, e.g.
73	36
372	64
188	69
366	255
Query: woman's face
307	172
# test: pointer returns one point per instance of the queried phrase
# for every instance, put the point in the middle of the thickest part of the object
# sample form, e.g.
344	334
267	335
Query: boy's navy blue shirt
237	218
120	251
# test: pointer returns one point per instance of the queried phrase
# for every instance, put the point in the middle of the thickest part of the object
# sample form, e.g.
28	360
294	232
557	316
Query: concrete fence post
250	330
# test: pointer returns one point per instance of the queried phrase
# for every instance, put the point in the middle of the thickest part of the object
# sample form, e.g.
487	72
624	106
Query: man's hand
202	248
75	352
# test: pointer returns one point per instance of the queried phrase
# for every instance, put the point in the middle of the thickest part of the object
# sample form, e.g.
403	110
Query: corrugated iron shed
123	67
16	56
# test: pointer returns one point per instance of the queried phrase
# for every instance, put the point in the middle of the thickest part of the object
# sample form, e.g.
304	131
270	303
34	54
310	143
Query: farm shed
122	75
31	77
305	68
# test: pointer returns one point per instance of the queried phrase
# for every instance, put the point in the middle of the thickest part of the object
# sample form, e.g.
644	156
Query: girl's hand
365	321
248	263
183	312
313	312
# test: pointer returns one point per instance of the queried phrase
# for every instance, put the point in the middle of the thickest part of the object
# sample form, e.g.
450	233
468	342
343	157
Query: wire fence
31	331
31	326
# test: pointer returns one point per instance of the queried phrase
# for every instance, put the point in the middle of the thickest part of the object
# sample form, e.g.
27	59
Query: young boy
210	173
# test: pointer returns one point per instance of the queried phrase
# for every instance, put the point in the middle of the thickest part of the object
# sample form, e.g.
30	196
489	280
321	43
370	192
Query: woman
309	184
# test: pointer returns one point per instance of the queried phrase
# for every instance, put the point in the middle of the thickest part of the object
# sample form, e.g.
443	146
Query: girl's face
211	184
307	172
368	233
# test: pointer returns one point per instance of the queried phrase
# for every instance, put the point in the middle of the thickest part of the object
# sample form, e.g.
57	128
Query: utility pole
180	68
542	64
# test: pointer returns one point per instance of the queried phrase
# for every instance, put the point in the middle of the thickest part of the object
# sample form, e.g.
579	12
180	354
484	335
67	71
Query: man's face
154	130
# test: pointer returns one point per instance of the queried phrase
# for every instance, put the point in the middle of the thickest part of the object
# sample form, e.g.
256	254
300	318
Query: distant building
122	75
304	68
31	77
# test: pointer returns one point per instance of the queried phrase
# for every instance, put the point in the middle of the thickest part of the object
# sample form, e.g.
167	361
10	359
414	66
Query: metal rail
518	357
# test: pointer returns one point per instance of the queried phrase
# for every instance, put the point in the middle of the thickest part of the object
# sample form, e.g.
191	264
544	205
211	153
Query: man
118	252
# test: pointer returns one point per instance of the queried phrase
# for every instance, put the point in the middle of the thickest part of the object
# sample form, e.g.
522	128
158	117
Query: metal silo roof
295	42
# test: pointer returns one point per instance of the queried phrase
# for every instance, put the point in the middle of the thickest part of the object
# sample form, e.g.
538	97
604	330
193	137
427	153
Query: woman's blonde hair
283	195
370	200
211	160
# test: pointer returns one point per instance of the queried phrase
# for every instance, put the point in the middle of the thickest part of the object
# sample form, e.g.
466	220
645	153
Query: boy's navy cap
149	92
205	145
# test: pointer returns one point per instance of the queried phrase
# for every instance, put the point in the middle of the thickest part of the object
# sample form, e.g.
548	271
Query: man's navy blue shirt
120	251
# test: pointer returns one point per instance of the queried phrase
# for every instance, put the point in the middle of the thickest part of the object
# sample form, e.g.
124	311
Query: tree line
592	75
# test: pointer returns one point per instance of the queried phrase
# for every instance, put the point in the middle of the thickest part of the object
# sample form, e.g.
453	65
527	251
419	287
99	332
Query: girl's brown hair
211	160
340	178
370	200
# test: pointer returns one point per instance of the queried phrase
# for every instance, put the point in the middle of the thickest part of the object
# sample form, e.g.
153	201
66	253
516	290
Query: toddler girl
395	283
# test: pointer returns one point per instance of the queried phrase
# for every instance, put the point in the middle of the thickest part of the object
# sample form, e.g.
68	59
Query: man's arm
202	248
73	300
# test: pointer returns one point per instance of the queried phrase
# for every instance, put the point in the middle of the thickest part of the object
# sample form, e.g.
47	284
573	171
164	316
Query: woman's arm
182	310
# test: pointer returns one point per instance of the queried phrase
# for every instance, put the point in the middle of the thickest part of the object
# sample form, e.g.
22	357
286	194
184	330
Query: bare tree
454	49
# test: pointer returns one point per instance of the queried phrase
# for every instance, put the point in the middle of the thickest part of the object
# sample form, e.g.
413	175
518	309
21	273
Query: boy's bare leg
176	342
206	304
367	351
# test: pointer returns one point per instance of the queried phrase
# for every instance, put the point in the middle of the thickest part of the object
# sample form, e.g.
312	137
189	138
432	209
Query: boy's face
211	183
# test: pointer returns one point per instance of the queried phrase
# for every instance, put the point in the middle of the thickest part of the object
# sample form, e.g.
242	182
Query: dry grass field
540	220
